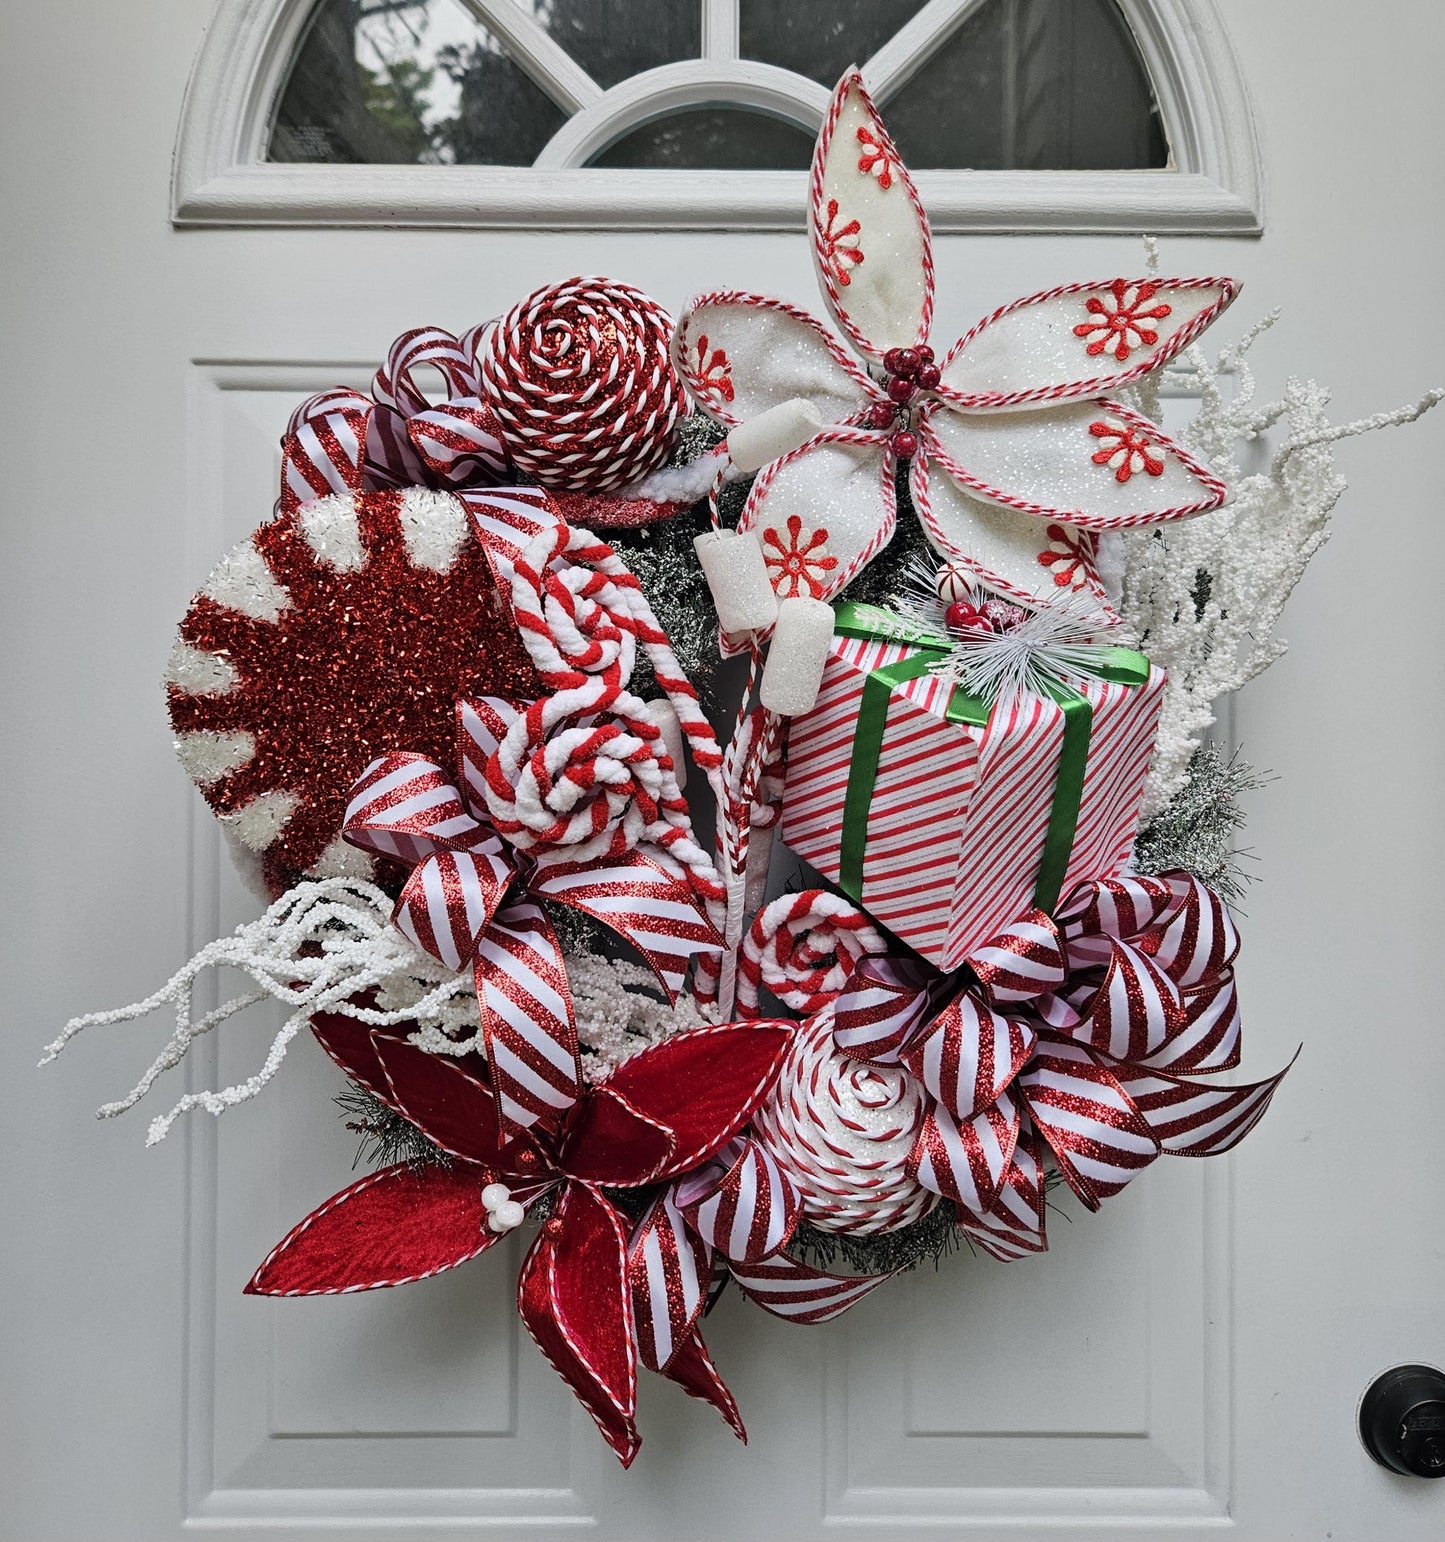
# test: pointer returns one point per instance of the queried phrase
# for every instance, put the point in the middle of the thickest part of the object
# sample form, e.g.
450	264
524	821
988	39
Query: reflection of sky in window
389	33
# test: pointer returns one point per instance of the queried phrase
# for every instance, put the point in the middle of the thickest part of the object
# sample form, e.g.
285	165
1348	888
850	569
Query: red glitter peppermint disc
346	628
580	379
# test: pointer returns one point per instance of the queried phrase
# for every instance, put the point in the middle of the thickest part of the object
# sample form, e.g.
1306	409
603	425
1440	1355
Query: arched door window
1056	85
1085	115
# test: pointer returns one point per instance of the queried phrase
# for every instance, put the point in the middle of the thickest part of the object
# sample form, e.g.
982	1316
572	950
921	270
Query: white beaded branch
1255	549
317	947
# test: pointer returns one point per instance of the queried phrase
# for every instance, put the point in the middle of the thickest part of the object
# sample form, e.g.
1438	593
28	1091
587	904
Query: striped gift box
959	813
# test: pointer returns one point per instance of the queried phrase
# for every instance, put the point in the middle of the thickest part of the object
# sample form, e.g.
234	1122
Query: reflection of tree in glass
504	117
1043	84
333	108
396	97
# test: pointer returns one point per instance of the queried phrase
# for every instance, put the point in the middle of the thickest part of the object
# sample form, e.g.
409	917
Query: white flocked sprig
320	945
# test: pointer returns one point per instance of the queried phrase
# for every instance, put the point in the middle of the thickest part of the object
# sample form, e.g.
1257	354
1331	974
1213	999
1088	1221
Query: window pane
819	38
1030	84
715	138
381	81
614	39
1043	85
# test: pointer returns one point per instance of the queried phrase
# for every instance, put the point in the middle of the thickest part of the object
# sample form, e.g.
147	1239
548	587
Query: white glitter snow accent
199	673
434	526
243	582
331	530
207	755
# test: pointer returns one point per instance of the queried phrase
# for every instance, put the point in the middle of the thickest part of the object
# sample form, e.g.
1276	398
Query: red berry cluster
909	371
991	616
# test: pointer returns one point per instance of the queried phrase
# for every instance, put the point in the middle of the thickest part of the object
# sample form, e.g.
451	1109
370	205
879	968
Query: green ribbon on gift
1121	665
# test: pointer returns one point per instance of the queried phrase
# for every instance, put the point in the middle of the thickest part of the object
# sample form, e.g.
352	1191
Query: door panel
1186	1361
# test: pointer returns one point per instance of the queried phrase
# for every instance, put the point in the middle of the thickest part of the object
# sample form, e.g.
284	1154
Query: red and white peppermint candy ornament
580	379
953	583
842	1131
341	629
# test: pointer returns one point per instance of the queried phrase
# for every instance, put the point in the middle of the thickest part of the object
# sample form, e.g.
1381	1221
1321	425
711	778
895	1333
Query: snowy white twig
317	947
1203	597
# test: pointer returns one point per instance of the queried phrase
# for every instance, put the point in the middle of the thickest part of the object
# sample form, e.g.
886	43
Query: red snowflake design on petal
1122	327
792	563
1124	449
1069	556
714	370
840	244
875	160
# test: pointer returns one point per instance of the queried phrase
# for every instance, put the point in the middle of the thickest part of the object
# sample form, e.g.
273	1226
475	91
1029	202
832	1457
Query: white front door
1185	1363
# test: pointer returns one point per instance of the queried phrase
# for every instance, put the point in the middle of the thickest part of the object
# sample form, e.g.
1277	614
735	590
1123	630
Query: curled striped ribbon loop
1079	1036
341	441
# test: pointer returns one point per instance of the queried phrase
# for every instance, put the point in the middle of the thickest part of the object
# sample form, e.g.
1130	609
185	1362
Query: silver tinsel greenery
666	565
1197	830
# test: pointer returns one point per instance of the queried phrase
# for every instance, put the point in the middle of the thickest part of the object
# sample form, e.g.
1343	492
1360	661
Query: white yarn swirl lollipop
842	1130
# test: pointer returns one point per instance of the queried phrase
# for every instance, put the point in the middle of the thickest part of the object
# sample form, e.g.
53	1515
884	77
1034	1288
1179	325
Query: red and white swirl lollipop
580	379
843	1131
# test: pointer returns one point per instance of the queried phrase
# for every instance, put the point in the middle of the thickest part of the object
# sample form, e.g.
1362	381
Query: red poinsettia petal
575	1301
391	1227
702	1085
451	1107
607	1140
349	1043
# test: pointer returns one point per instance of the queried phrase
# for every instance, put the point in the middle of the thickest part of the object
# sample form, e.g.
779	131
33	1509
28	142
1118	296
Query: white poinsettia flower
1018	457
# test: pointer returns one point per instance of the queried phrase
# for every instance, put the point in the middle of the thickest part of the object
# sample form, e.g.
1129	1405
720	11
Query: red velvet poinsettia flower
659	1115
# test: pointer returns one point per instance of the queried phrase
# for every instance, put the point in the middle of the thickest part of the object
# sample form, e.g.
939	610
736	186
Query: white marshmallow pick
772	434
732	562
794	670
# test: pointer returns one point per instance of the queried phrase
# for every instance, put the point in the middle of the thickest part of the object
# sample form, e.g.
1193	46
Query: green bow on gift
1123	666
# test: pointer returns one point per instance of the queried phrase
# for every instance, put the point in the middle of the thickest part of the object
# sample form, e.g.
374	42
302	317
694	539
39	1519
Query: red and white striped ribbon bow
341	441
741	1208
405	807
1113	1008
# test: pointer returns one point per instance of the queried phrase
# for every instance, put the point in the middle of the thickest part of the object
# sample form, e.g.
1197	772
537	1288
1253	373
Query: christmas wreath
983	606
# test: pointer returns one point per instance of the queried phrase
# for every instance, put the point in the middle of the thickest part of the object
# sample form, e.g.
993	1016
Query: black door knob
1402	1421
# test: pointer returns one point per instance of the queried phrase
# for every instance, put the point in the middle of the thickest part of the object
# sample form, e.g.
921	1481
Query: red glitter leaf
703	1085
576	1303
391	1227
